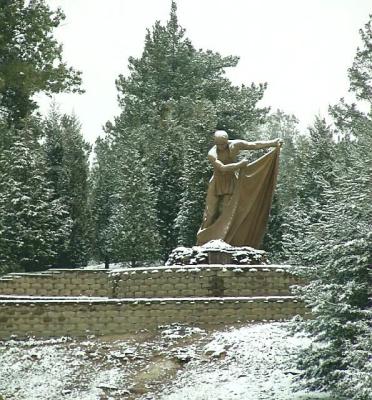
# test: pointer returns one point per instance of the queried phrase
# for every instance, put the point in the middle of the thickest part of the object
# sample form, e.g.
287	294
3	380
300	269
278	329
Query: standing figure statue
239	194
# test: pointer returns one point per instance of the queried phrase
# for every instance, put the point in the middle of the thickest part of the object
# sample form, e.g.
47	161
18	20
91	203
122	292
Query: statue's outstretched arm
245	145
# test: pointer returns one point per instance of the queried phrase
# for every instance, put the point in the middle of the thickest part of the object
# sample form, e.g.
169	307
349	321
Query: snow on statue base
216	252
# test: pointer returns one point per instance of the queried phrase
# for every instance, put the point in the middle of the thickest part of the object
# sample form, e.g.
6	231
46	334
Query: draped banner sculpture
239	194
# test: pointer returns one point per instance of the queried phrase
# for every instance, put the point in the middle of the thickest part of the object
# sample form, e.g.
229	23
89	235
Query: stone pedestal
219	257
217	252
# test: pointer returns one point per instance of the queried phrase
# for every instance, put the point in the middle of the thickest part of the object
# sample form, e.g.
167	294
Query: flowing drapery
243	220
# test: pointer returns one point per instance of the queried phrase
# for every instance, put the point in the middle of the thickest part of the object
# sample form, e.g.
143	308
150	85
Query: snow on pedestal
216	252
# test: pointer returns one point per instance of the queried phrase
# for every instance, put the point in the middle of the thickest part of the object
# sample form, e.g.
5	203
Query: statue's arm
245	145
219	166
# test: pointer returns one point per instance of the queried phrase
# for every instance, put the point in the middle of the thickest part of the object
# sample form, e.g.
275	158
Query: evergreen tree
102	200
55	152
332	243
320	160
285	127
133	223
334	253
314	171
33	223
30	57
77	165
196	171
67	164
361	71
172	77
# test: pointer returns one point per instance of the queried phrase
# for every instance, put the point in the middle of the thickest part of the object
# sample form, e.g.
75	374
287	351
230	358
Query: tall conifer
34	224
67	165
165	83
332	245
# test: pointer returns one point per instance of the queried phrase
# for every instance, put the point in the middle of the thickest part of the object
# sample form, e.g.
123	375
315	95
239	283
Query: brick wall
78	302
75	317
200	281
57	283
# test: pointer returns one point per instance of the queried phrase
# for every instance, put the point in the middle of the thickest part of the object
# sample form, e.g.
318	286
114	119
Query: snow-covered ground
176	363
250	363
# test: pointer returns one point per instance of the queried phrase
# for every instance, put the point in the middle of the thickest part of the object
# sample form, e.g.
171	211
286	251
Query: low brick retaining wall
79	317
175	281
55	282
78	302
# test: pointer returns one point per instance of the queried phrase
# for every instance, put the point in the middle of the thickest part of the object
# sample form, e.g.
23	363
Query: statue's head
221	140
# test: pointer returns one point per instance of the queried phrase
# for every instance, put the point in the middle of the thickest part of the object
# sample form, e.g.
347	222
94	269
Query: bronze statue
239	194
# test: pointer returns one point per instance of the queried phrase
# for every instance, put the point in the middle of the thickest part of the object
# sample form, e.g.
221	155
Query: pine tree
314	171
31	58
285	127
54	150
361	71
33	223
332	245
334	253
320	159
67	162
165	83
133	223
196	171
102	200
